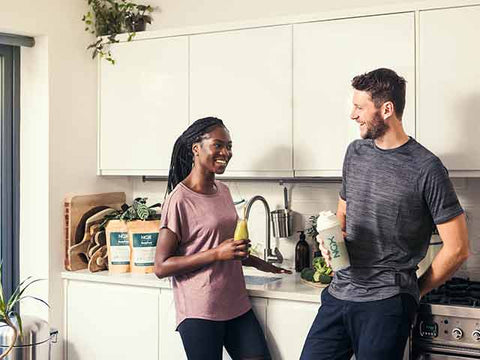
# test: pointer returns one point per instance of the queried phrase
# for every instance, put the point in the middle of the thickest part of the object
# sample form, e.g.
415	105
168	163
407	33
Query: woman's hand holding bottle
231	249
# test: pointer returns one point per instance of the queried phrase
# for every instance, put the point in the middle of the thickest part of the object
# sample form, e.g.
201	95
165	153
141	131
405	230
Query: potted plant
9	314
138	17
108	18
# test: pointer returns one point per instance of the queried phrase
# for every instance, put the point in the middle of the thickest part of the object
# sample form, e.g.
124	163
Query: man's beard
376	128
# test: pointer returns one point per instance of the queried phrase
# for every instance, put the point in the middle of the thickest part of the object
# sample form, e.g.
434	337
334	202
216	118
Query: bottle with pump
302	253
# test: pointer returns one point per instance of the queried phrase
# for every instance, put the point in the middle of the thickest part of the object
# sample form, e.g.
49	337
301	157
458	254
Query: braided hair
182	155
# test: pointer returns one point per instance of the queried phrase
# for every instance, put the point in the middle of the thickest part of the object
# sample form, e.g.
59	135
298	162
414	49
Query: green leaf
142	211
19	322
1	286
17	294
34	298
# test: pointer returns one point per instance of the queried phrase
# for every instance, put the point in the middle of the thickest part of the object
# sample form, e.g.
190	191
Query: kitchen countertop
288	287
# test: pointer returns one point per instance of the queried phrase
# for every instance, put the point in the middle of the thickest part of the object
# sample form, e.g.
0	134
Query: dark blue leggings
373	330
242	337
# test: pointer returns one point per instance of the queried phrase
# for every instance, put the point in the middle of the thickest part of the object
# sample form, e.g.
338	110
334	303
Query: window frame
10	167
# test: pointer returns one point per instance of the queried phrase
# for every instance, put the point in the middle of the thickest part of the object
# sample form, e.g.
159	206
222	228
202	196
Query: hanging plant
108	18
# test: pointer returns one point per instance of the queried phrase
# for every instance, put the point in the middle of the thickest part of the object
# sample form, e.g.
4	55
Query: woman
196	247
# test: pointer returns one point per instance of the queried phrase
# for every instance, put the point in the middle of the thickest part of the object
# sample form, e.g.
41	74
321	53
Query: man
393	192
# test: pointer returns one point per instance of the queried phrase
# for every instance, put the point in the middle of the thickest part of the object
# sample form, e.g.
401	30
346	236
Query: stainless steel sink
259	280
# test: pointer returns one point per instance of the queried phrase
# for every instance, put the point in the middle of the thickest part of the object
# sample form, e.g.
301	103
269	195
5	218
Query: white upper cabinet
449	87
327	55
244	77
143	105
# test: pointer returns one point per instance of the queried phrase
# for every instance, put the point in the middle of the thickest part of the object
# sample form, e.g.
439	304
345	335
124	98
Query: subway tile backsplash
306	199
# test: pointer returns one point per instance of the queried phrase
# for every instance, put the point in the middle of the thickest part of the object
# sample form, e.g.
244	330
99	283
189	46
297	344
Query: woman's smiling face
214	151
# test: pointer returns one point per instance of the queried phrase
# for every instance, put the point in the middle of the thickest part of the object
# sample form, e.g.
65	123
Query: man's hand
454	252
325	252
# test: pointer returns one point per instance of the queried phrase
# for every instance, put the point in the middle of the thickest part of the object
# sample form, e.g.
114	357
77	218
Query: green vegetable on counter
320	272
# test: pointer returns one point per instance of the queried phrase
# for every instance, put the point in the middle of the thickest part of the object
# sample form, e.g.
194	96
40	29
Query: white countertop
289	287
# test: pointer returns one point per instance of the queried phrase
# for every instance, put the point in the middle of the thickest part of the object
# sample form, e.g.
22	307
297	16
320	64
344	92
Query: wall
174	13
58	137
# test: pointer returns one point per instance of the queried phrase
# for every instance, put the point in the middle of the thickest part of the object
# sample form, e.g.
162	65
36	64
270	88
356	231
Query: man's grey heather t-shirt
393	199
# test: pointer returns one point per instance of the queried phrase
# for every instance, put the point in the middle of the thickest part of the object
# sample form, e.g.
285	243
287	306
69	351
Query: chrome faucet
269	255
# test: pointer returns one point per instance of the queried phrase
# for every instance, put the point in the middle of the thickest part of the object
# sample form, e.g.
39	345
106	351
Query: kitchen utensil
98	261
78	253
75	206
99	241
93	233
282	223
314	284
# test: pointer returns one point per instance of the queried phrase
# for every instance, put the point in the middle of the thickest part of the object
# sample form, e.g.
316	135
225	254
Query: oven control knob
457	333
476	335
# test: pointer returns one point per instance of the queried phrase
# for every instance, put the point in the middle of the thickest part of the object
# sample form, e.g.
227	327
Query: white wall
58	136
174	13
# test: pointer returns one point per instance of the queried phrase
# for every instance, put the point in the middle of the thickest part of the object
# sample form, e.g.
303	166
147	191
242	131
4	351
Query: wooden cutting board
75	206
78	253
314	284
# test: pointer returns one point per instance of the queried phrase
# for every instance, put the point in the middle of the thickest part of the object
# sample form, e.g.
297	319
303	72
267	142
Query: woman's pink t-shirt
201	222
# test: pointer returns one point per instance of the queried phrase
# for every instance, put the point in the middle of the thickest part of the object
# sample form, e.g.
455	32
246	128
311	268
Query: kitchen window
9	168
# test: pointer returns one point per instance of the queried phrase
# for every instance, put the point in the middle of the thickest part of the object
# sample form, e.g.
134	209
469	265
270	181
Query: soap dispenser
302	254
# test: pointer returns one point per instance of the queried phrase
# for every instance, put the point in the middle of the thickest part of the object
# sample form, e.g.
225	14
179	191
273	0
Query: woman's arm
168	264
263	265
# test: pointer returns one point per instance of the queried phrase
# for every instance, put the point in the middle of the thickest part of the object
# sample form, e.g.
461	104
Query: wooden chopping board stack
85	243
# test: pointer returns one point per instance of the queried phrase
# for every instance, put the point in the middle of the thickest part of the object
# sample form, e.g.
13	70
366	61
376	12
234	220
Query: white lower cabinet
288	323
171	347
106	321
110	321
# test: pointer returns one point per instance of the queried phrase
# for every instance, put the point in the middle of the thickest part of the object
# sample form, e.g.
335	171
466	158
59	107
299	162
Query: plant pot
36	342
136	25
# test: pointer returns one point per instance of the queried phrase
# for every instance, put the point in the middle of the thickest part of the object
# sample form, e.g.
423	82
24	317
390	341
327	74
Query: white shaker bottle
330	231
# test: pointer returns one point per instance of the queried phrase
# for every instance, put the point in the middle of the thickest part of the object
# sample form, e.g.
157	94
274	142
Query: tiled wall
308	199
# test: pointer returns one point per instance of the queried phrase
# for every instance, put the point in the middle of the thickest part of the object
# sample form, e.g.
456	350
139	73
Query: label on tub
144	248
119	248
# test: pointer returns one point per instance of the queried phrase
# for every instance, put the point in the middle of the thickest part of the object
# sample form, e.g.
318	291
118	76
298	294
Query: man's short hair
383	85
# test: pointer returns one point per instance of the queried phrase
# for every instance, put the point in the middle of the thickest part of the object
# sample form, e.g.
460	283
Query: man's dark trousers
373	330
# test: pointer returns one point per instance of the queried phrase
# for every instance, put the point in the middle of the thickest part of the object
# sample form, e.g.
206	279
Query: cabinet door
111	321
244	77
288	323
171	346
449	86
143	105
327	55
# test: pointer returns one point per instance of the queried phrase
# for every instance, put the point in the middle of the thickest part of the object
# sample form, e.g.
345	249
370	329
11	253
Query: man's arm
454	252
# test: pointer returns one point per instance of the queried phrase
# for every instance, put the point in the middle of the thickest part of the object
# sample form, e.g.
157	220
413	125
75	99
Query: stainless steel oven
448	323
